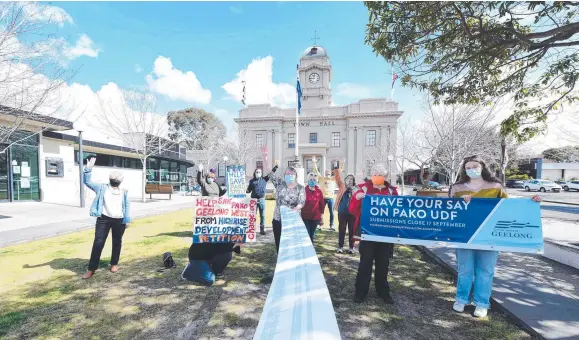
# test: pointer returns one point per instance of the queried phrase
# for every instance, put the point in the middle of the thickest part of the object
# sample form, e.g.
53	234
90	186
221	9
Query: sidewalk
26	221
542	294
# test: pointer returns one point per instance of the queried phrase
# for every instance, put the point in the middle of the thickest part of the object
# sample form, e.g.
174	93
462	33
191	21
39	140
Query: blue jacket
96	208
257	186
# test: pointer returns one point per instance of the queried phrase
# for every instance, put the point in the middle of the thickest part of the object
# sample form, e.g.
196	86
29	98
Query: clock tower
315	74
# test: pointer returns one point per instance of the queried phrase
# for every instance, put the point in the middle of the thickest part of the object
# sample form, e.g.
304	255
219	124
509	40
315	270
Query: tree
404	141
380	153
241	148
473	52
31	74
132	118
566	154
195	127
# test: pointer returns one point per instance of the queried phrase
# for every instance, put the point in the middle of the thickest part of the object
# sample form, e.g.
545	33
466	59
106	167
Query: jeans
480	266
346	220
311	226
261	209
276	233
204	271
101	232
330	205
370	253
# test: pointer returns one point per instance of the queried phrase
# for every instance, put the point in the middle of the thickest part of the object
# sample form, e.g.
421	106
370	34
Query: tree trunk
504	160
144	181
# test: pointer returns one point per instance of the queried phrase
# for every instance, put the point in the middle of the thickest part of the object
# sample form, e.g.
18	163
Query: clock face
314	78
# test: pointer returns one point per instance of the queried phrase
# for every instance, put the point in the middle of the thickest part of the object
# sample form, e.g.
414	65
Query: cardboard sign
483	223
235	181
224	219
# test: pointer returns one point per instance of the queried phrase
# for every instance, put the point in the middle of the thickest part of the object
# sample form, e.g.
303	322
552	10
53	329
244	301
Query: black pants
101	232
379	253
276	233
346	220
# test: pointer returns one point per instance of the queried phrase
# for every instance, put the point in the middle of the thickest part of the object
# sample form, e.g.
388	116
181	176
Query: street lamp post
80	128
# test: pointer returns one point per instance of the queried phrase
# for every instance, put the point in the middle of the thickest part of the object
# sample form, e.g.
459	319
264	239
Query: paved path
542	294
34	220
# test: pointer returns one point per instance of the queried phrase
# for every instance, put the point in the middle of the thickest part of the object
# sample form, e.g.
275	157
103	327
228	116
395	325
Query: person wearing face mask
257	187
328	185
209	186
372	252
111	208
476	181
288	194
314	206
345	219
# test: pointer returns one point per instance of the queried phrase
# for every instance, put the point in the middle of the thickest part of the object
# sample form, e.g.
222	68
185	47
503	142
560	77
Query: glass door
24	163
4	175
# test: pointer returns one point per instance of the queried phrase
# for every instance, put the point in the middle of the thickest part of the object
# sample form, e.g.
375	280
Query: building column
351	162
323	168
360	154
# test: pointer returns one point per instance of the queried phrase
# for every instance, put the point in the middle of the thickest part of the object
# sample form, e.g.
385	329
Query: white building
358	132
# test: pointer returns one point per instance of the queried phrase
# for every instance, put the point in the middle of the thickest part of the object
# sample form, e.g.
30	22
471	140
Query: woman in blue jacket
111	208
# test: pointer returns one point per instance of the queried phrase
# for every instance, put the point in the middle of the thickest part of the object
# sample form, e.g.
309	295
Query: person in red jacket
313	208
370	251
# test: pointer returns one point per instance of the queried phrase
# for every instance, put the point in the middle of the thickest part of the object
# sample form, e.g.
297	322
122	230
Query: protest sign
235	181
224	219
487	224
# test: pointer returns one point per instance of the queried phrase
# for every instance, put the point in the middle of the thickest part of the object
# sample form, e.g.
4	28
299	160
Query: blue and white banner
489	224
235	181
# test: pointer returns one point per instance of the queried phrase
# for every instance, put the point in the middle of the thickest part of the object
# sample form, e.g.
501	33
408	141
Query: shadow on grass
143	302
188	233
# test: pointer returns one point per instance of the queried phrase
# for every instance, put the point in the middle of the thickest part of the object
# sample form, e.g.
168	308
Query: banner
489	224
224	219
235	181
298	304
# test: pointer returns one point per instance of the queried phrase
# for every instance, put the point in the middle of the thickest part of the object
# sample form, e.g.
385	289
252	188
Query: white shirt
113	204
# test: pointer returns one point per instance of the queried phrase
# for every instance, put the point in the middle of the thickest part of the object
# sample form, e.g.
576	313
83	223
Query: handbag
168	261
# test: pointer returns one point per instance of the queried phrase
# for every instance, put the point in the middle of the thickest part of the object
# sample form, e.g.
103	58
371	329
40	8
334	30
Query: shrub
522	177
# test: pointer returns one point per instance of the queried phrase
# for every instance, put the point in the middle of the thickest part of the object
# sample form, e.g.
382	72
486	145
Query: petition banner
235	181
224	219
489	224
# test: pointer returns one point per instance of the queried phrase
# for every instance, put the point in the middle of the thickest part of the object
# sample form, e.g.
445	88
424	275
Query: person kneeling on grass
111	208
207	261
476	181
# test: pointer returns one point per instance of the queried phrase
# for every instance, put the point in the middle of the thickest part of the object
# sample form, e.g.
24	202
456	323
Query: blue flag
299	91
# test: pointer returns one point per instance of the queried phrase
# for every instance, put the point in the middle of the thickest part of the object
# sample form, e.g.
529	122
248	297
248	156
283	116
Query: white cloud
176	84
138	68
84	47
259	85
236	10
40	12
356	91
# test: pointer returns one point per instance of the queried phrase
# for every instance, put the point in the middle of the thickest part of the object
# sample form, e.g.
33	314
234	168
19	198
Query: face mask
210	180
474	173
378	180
258	175
312	183
289	179
114	183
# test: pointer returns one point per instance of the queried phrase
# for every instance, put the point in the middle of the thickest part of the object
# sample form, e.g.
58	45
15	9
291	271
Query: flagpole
392	92
297	117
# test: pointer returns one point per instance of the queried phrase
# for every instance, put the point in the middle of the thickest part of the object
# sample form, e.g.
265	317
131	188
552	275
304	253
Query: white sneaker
340	250
458	307
480	312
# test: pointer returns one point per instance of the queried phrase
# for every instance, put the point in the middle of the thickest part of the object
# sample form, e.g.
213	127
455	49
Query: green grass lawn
42	295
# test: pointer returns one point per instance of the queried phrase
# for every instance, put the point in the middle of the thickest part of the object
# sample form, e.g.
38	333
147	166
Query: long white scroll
298	305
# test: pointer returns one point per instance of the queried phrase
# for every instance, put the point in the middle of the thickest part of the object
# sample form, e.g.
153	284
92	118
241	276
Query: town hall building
359	132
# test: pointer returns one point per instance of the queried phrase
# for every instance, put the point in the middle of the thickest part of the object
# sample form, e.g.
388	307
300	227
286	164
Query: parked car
571	185
542	185
561	183
513	183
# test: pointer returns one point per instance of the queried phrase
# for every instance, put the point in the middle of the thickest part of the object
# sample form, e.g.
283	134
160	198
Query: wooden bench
161	189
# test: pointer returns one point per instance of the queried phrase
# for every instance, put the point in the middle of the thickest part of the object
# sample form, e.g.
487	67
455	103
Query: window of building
313	137
291	140
371	138
335	139
309	165
259	139
221	170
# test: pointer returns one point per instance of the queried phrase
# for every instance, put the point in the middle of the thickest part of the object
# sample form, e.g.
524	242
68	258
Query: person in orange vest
370	251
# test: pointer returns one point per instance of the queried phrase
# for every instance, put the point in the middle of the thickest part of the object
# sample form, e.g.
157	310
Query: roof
314	52
48	121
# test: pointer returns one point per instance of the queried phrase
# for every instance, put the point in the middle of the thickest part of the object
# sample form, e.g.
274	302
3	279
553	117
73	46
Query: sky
195	54
187	51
